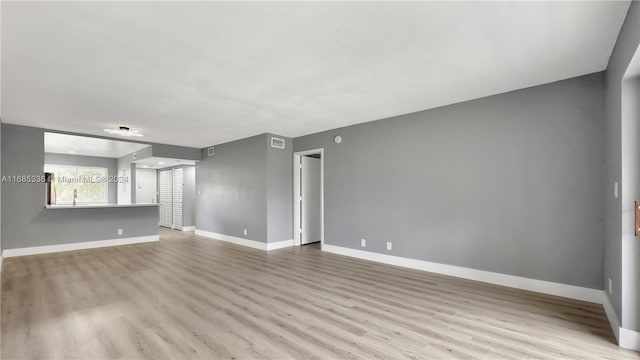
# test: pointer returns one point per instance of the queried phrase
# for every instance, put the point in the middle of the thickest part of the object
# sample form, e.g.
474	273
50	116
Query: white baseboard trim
1	256
232	239
245	242
611	315
626	338
34	250
629	339
541	286
188	228
279	244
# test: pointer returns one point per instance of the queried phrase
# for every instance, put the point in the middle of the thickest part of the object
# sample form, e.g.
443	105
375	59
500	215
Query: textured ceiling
202	73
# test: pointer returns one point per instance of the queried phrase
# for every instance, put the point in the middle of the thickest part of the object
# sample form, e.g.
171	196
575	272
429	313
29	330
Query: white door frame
296	194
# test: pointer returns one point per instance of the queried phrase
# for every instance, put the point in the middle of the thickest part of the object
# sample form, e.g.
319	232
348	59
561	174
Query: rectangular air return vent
277	143
210	151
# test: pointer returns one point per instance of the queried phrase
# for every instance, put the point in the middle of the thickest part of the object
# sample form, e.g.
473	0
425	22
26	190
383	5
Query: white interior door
311	200
146	186
178	183
166	198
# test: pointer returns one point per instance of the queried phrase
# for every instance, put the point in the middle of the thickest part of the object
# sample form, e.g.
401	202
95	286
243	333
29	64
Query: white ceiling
160	163
202	73
88	146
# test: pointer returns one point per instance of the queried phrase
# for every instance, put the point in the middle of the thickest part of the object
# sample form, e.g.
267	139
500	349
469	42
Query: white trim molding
611	315
279	244
34	250
629	339
541	286
296	194
1	257
232	239
245	242
188	228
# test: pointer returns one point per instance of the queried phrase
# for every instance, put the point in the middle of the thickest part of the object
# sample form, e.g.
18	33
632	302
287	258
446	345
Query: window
90	183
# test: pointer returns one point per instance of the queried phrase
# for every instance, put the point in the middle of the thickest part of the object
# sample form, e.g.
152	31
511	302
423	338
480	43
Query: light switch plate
245	232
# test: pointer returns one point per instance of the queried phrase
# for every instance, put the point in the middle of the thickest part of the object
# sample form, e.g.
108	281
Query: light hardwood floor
191	297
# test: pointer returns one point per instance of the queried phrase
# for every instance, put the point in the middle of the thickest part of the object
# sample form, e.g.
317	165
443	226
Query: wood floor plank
187	297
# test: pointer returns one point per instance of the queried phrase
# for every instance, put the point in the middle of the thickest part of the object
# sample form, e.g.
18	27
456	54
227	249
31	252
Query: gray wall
279	191
231	185
110	163
176	152
627	43
124	181
128	183
189	196
247	184
510	183
1	192
27	223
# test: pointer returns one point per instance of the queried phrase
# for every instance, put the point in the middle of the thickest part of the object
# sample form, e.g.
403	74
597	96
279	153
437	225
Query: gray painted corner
189	196
627	44
247	184
280	190
231	189
126	187
510	183
1	247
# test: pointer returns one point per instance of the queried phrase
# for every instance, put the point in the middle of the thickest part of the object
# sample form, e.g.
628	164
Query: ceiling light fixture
160	163
123	131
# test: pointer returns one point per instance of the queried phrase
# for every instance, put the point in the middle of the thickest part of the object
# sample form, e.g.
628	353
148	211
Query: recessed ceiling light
145	166
160	163
123	131
71	152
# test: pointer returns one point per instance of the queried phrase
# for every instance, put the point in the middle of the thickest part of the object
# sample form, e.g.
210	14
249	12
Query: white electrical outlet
389	245
615	189
363	242
245	232
610	287
120	232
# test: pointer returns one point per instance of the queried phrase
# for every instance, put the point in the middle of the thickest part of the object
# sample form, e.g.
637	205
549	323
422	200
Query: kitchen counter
96	206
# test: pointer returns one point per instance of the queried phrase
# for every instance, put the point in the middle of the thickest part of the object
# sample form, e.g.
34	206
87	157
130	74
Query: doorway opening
629	278
308	197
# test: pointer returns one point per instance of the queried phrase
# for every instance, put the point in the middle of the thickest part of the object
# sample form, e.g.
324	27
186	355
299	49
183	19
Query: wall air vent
210	151
277	143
